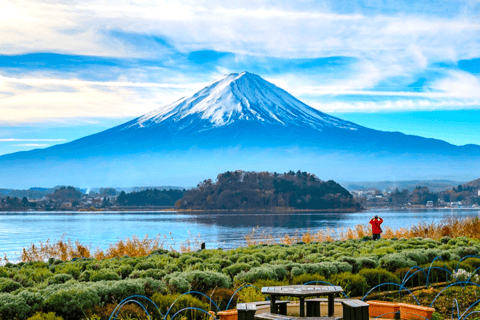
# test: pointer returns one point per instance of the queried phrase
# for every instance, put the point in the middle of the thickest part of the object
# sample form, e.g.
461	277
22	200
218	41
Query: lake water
224	230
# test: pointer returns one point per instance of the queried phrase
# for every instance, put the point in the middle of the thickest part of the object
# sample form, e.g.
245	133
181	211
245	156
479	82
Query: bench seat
355	310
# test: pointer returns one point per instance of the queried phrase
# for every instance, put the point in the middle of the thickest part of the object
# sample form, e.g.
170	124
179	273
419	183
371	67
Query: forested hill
249	190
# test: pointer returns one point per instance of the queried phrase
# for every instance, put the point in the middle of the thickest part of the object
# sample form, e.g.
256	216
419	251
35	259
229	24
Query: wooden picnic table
301	292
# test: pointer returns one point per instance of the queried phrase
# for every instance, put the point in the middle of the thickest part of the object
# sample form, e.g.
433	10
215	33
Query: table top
301	290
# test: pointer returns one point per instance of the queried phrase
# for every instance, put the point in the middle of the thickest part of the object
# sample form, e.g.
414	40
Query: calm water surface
225	230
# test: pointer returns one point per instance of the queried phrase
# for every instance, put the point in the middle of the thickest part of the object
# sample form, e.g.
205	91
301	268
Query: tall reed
451	226
136	247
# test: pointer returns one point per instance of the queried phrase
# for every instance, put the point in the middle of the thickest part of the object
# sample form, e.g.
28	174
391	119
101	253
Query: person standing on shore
376	229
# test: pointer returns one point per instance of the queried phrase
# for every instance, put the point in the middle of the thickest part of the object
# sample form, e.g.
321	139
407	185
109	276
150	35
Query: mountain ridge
239	122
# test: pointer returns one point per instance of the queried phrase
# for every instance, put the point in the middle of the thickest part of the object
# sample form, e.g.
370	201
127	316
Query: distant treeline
246	190
150	197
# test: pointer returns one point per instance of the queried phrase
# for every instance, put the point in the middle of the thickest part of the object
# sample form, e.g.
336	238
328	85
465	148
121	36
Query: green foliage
165	301
150	197
353	284
151	273
45	316
236	268
59	278
13	307
197	280
394	261
104	274
265	272
70	301
375	277
248	190
71	268
8	285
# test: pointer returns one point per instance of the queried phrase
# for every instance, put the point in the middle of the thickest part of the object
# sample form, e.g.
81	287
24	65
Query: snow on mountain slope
241	96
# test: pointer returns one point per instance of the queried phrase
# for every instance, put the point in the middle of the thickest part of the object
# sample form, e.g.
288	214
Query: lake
224	230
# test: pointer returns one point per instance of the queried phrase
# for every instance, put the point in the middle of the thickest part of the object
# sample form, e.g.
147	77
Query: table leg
331	305
273	306
302	306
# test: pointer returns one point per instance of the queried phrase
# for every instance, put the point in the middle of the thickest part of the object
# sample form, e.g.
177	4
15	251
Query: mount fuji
240	121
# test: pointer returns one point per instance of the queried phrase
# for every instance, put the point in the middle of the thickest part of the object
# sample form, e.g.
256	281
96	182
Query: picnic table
301	292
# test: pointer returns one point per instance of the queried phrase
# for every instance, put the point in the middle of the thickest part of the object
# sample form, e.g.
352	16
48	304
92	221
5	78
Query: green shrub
304	278
394	261
432	254
353	284
69	268
85	275
343	266
45	316
197	280
365	263
23	279
145	265
70	301
115	291
104	274
375	277
13	307
124	270
4	272
265	272
236	268
418	256
151	273
59	278
8	285
165	301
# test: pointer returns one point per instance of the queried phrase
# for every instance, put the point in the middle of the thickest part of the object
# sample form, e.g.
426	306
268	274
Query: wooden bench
355	310
272	316
313	306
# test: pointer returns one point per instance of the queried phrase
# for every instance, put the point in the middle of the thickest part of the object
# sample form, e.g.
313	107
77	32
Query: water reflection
227	230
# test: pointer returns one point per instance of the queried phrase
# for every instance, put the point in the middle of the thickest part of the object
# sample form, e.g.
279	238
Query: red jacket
376	225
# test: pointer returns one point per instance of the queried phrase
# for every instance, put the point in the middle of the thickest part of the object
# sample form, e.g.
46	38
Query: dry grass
132	247
452	226
136	247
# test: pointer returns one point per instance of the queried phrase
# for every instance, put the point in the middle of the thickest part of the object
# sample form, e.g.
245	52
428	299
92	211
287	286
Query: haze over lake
217	230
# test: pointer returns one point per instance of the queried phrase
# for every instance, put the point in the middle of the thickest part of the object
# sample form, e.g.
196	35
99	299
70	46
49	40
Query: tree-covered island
265	190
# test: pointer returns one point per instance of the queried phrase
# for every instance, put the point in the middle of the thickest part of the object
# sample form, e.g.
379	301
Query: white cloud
31	140
31	145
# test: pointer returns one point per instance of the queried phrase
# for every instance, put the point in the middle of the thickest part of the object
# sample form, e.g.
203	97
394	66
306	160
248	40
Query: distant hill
264	190
432	185
32	193
473	183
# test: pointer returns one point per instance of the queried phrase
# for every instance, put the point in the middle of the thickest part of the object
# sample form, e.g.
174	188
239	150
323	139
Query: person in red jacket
376	229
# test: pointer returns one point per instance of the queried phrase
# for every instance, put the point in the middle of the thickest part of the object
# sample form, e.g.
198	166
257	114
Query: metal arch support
430	267
469	314
458	310
189	292
242	287
471	306
455	284
128	301
464	258
325	282
405	279
443	269
137	296
192	308
391	283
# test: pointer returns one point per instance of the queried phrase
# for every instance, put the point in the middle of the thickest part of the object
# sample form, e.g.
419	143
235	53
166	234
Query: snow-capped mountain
238	122
241	96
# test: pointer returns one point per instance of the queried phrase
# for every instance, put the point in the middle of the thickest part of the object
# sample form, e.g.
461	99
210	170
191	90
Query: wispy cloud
31	145
31	140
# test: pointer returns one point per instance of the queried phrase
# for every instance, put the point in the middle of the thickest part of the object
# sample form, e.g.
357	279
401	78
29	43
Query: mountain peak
240	97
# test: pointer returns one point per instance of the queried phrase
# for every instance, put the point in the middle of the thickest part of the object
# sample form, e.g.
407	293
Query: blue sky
73	68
